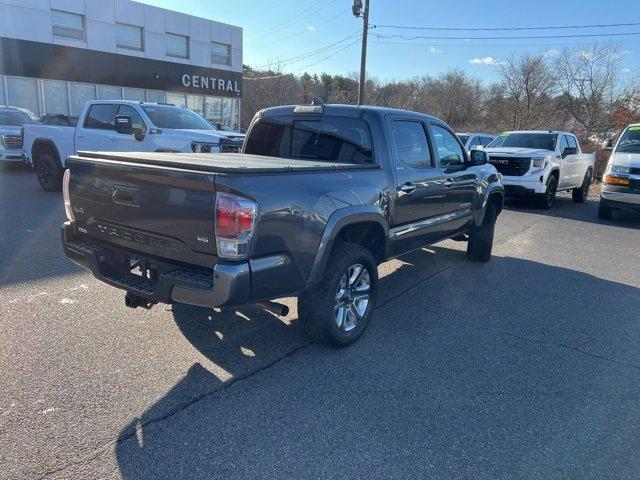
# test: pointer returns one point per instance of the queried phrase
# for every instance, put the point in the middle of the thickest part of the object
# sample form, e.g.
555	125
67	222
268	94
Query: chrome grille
511	166
12	142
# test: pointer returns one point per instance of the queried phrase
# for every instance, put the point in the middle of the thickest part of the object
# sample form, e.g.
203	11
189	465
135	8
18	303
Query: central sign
211	84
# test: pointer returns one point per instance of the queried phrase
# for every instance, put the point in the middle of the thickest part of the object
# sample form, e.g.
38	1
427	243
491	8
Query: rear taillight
234	222
66	180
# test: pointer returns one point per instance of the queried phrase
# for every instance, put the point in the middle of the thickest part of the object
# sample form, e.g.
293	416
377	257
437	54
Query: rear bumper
226	284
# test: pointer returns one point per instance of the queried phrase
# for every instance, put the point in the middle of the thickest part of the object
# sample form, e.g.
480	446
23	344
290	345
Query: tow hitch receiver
133	301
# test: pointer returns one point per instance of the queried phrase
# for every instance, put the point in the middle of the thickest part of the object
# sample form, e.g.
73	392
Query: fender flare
494	188
336	222
50	143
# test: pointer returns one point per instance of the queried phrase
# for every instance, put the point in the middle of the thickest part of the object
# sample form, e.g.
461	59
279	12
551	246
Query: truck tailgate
150	209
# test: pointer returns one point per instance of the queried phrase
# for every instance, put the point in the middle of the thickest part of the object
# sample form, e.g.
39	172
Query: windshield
14	118
463	138
630	140
224	128
540	141
169	116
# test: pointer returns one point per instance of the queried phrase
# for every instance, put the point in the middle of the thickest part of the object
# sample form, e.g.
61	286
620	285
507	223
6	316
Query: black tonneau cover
220	162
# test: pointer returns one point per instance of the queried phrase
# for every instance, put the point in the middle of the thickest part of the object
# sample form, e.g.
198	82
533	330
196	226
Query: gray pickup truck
320	195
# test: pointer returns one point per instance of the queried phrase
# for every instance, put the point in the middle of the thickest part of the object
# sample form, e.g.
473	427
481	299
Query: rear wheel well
370	235
41	147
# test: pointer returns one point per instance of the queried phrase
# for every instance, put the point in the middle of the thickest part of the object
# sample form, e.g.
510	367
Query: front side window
327	139
573	143
220	53
136	118
411	144
129	36
68	25
101	116
449	149
169	116
177	46
563	143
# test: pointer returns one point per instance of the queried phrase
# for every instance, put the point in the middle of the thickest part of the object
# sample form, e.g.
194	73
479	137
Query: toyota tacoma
320	195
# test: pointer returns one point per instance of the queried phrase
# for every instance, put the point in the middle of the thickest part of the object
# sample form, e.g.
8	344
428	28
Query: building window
177	46
81	93
129	36
23	92
134	94
107	92
68	25
220	53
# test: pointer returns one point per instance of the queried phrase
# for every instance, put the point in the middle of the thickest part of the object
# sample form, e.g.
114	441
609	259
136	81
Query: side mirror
138	135
477	158
608	144
124	125
569	151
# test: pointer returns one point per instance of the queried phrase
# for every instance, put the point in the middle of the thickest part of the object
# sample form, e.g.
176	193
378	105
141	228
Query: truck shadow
566	208
30	249
203	428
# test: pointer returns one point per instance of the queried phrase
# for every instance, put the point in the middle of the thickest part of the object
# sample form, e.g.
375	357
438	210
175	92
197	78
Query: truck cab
121	126
537	164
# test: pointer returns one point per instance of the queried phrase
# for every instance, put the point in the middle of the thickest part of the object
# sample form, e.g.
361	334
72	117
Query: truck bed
220	162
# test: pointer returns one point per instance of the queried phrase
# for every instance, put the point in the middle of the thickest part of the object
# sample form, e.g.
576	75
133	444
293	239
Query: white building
57	54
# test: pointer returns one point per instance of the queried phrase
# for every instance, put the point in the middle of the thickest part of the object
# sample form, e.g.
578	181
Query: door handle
408	188
81	135
448	183
113	139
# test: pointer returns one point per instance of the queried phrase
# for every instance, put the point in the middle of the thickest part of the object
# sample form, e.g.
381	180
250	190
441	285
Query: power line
551	27
302	32
522	37
301	15
308	54
483	45
306	66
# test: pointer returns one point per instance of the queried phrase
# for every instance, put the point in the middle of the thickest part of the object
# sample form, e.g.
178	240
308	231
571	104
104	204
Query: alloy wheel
352	297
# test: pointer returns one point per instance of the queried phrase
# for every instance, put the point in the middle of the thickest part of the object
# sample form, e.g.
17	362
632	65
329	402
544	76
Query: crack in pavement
557	344
92	455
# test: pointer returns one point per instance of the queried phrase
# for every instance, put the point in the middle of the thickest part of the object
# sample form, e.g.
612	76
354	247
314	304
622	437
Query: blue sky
281	29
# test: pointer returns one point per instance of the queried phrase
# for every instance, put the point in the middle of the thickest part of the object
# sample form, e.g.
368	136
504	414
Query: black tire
481	237
581	193
50	172
318	308
605	212
548	198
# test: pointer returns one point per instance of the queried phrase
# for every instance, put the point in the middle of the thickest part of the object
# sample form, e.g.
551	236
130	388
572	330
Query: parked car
319	197
538	164
12	120
620	189
120	125
475	140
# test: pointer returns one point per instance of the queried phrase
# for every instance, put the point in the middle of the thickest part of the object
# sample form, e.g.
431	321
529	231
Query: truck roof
346	110
538	131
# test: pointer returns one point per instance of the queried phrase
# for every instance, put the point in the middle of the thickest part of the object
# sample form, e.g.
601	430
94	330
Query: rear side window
411	144
329	139
101	117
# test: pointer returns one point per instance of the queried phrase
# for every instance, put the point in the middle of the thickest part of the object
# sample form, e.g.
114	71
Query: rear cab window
323	138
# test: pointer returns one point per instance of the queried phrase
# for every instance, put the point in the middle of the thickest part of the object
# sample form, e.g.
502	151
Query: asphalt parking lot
526	367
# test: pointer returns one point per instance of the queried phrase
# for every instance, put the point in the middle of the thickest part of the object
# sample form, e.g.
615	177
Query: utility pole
359	11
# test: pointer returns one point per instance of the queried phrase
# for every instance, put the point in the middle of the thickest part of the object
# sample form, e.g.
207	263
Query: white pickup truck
124	126
538	164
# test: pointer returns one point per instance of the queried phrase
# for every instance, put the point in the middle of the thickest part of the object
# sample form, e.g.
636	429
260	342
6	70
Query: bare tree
529	84
591	87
